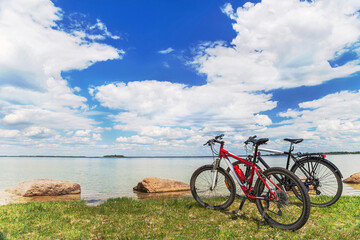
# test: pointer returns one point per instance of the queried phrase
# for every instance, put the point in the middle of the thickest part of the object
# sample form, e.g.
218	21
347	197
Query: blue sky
162	77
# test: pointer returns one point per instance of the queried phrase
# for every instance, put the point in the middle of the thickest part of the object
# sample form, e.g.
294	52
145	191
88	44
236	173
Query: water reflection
69	197
352	189
145	196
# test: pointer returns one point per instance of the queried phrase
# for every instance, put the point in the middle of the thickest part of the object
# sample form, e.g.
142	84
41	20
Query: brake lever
208	143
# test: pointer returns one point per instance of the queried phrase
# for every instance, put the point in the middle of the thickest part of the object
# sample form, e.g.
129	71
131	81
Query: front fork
215	173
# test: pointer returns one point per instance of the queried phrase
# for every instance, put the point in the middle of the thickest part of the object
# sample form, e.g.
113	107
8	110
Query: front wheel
323	183
280	205
211	188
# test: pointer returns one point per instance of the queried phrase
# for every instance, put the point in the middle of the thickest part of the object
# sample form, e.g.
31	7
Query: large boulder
44	187
160	185
355	178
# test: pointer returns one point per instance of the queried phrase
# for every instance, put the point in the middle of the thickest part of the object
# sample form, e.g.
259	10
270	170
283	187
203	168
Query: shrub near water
125	218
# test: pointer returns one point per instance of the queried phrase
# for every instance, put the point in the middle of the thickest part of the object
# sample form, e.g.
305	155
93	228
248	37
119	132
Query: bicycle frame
296	159
254	169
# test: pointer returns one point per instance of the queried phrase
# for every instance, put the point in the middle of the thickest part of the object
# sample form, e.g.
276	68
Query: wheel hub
313	184
282	198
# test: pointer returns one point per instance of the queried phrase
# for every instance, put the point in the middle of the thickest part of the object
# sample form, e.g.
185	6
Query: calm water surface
102	178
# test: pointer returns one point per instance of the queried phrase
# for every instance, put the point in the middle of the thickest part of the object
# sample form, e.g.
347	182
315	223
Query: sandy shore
6	198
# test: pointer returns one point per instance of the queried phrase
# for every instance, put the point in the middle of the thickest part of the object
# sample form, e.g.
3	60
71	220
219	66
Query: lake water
103	178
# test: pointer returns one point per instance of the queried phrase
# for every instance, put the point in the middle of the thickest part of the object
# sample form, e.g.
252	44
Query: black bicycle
320	176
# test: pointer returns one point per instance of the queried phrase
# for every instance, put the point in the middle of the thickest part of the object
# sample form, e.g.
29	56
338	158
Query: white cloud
82	133
77	89
97	136
61	119
35	131
103	29
136	139
262	120
9	133
332	122
166	51
34	51
164	109
283	44
279	44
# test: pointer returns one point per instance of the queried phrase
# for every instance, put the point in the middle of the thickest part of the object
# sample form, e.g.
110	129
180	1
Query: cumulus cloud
160	108
5	133
97	136
82	133
279	44
35	48
35	131
283	44
325	123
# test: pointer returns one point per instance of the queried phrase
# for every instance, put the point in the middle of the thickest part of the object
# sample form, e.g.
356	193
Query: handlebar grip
250	139
206	143
220	136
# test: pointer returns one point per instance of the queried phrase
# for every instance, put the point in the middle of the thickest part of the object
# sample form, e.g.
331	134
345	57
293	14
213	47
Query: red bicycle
280	196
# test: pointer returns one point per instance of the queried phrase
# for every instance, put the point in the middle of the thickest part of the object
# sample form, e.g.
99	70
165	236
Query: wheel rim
285	208
212	197
322	186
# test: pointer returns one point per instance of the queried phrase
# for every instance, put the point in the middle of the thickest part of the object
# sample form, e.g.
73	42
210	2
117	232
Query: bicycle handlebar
215	140
220	136
251	139
255	141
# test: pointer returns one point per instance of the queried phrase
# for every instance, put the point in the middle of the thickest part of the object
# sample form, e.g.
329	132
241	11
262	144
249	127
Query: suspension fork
215	171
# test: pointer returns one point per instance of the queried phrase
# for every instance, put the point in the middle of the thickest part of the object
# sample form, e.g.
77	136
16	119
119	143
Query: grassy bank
166	218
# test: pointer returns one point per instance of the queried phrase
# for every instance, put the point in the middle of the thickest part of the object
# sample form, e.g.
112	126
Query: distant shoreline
44	156
122	156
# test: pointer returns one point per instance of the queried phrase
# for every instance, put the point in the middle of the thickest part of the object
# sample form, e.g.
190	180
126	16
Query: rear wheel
323	183
281	207
218	197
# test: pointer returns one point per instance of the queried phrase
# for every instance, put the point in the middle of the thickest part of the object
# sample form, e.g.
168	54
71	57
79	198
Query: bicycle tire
324	185
219	198
292	213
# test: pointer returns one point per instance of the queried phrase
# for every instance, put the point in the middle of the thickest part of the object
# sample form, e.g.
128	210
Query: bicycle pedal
237	212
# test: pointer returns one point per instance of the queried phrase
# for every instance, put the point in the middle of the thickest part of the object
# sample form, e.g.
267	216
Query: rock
44	187
159	185
355	178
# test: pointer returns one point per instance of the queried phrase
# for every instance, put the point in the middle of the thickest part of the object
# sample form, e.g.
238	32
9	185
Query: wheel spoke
324	184
219	197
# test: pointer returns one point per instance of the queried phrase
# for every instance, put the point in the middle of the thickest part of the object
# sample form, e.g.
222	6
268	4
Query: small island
113	156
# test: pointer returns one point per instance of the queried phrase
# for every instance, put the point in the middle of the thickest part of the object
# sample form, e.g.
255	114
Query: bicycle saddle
295	141
260	141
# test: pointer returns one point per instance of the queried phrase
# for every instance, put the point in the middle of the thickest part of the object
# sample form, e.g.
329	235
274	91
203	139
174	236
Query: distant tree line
114	156
338	153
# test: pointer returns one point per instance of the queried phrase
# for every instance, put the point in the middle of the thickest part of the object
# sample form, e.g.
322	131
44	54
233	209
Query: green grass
125	218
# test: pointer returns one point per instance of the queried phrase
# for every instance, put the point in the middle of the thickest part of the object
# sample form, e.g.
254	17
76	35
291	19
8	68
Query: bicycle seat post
289	154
